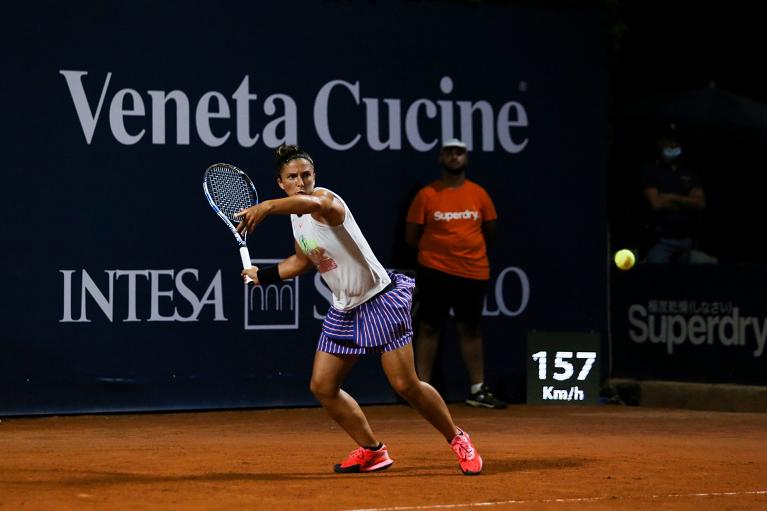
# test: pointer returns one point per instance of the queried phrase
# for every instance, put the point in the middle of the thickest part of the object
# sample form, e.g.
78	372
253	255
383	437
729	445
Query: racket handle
245	256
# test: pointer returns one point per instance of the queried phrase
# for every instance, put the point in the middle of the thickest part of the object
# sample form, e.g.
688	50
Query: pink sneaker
468	457
365	460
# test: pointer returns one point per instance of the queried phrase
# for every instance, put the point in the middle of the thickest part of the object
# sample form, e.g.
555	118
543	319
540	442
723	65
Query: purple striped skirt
381	324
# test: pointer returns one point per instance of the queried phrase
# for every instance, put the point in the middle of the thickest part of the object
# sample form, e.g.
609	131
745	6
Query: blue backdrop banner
122	288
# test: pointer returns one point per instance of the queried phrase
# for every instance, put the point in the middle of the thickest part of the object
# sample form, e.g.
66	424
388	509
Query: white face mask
672	152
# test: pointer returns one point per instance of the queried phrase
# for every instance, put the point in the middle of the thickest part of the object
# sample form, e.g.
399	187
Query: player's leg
433	306
399	367
328	373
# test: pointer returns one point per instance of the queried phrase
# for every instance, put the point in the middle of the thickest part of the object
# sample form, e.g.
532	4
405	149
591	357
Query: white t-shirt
342	256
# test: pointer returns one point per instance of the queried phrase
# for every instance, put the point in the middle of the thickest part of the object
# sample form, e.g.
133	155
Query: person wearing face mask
674	194
451	221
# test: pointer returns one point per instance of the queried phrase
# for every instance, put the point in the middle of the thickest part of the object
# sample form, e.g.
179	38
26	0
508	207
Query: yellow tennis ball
624	259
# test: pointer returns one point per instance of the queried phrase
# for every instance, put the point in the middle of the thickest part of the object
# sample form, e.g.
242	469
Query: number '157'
563	369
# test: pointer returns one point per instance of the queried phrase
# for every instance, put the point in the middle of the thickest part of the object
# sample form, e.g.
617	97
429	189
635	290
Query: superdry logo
693	324
446	216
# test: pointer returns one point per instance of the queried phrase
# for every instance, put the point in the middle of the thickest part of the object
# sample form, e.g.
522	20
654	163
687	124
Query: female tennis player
370	312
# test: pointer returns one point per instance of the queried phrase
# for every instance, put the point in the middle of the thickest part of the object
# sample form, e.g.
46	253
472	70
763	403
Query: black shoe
483	398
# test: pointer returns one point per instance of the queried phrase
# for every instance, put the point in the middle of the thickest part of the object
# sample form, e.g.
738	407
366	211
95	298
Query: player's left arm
295	265
288	268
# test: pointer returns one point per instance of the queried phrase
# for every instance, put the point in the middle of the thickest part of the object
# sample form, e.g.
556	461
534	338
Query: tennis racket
229	190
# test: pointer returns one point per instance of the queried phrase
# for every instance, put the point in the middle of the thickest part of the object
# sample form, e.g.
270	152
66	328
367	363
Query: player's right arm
293	266
320	204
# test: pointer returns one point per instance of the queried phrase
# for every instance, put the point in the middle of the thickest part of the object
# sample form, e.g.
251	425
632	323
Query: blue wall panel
122	289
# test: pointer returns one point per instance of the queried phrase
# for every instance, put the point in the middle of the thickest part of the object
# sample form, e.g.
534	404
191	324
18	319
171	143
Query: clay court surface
585	458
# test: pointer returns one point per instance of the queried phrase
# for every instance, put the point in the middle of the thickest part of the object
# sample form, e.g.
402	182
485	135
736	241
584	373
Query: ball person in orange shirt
451	221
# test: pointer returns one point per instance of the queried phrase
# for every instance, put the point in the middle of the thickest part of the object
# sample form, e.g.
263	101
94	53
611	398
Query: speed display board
563	368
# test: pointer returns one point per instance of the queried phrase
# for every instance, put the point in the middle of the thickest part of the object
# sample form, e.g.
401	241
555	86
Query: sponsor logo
272	307
173	295
217	118
677	323
170	295
446	216
508	299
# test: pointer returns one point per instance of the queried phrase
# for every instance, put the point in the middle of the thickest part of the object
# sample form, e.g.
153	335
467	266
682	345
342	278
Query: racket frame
241	239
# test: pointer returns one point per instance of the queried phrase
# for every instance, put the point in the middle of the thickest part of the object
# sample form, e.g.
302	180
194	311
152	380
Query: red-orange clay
584	458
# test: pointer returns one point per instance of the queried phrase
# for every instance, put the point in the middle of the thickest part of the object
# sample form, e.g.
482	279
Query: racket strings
230	191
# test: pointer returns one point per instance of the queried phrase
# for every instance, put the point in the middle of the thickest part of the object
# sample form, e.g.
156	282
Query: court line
558	501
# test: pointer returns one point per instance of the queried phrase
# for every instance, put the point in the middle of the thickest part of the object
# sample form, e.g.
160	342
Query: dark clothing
671	224
438	292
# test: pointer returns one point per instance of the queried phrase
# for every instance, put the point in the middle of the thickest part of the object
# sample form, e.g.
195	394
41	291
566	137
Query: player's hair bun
287	152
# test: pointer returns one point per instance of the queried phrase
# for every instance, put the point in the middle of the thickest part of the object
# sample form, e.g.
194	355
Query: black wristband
268	275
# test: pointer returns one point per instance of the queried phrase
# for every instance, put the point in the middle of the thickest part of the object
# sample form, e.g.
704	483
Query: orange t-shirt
452	240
